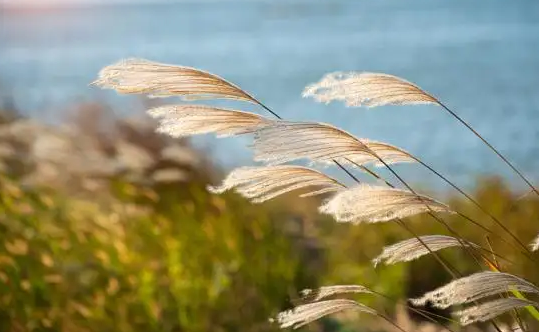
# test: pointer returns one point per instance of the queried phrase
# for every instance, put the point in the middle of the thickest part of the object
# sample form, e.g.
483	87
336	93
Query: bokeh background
106	226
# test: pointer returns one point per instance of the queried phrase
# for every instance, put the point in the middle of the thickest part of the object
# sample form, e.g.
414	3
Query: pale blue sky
45	2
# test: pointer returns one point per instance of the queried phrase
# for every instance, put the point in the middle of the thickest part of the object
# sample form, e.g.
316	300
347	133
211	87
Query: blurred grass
137	262
132	252
126	250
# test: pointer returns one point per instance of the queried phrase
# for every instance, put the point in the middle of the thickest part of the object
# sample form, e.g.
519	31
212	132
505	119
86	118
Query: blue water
479	57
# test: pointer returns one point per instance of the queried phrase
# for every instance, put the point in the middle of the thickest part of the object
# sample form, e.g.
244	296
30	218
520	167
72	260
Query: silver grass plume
475	287
367	89
186	120
260	184
489	310
285	141
365	203
534	245
135	76
307	313
313	295
411	249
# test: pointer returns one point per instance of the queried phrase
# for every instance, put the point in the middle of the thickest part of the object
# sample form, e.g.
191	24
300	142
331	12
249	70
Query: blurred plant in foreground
114	231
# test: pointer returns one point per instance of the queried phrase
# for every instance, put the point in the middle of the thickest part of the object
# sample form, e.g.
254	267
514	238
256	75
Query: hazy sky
45	2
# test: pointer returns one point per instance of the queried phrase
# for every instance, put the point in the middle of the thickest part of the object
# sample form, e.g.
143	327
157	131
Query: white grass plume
411	249
285	141
136	76
475	287
534	245
367	89
365	203
260	184
307	313
489	310
313	295
186	120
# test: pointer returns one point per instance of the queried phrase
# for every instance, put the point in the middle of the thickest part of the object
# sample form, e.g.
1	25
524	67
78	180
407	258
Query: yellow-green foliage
161	259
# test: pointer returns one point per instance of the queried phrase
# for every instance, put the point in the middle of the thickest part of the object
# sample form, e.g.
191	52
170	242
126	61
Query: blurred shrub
114	231
106	226
195	264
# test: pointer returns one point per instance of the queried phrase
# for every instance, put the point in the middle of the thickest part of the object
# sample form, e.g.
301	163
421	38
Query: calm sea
481	58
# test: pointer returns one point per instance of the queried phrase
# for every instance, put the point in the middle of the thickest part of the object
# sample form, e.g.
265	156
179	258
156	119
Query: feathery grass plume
475	287
186	120
366	203
411	249
307	313
134	76
534	245
367	89
266	182
377	89
313	295
489	310
284	141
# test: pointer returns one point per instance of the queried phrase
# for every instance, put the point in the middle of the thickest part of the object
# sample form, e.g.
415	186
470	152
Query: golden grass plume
474	287
285	141
140	76
489	310
367	89
372	204
262	183
187	120
411	249
307	313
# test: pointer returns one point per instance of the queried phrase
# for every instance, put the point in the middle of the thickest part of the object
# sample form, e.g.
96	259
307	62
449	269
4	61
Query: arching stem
502	157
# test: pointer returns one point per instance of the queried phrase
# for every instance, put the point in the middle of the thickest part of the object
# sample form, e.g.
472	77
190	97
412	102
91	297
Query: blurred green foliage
178	260
157	256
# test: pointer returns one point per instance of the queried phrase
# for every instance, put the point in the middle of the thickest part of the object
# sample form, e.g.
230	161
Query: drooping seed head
187	120
475	287
285	141
486	311
367	89
411	249
307	313
371	204
260	184
140	76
